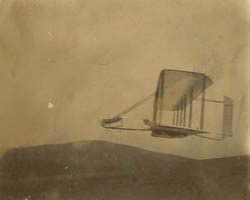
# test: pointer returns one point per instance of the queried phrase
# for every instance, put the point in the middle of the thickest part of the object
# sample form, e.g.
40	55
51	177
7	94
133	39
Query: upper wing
174	87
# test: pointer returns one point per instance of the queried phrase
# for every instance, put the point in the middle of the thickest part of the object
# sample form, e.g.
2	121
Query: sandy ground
98	170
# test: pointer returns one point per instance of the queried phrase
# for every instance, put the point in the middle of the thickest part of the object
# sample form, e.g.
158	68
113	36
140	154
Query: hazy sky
92	59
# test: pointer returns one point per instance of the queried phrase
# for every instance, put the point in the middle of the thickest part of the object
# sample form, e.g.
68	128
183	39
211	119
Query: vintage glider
175	93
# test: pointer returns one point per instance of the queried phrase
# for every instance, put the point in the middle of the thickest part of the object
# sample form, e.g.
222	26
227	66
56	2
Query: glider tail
227	122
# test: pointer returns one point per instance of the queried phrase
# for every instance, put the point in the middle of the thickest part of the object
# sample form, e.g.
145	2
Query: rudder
227	117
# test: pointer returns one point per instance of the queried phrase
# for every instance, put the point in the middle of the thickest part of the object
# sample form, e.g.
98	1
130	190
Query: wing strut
185	104
190	109
181	112
177	121
161	100
202	104
173	118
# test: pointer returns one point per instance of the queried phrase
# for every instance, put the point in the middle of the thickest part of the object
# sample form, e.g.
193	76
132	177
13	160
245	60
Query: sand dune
104	170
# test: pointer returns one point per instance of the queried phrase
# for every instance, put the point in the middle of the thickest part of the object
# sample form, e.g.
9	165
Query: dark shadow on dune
104	170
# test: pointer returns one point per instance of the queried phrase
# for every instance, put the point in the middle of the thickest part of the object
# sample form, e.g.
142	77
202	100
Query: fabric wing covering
174	87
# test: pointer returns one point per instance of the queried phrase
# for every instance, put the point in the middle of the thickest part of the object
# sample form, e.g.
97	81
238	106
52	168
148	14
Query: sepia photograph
124	100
